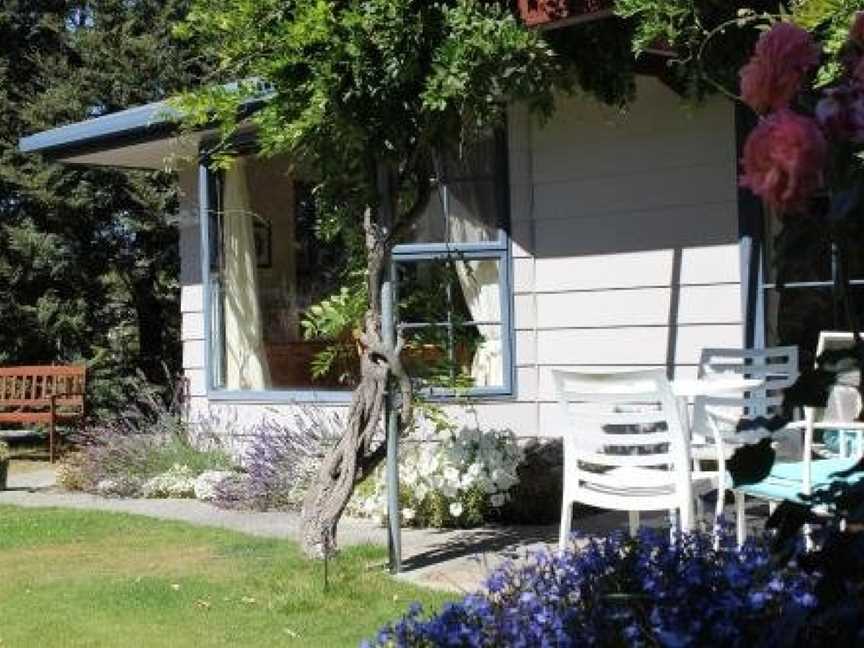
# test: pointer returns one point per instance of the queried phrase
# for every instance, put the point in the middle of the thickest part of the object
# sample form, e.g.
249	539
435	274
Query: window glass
450	313
267	269
799	251
800	263
466	205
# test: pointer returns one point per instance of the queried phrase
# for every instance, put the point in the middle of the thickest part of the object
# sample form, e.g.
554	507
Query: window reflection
267	269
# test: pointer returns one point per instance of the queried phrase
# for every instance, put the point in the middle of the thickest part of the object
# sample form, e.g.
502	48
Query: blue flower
620	591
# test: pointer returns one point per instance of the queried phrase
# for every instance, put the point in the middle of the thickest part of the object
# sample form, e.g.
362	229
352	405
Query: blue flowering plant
623	591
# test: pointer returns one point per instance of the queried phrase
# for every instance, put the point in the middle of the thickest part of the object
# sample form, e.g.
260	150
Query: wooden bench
43	394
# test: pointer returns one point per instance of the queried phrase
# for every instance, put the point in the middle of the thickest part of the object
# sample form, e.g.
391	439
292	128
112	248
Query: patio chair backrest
776	366
843	406
621	420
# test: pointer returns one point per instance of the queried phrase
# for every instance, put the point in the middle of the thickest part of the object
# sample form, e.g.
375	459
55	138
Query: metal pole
391	416
394	537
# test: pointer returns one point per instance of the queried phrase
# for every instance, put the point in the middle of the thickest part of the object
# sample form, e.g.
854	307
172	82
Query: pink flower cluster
786	154
784	55
783	160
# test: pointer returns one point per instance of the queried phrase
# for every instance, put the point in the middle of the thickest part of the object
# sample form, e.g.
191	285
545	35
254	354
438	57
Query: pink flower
840	113
783	161
856	31
783	55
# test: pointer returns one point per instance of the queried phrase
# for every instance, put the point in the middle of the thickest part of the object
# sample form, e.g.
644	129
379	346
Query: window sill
286	397
333	397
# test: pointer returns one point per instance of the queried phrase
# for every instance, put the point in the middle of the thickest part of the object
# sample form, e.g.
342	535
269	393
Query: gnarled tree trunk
356	454
350	460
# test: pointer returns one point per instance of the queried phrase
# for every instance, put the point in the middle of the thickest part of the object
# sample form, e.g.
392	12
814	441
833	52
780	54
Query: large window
266	269
800	298
452	275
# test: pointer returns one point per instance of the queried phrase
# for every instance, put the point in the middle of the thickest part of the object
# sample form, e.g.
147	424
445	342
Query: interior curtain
480	281
245	359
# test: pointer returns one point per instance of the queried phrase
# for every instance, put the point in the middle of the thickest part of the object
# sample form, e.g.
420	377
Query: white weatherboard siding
192	332
625	243
625	252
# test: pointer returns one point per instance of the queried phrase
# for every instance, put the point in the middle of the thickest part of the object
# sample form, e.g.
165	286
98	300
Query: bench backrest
25	385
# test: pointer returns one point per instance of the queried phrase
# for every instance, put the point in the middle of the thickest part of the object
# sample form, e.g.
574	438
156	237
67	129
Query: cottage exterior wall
625	253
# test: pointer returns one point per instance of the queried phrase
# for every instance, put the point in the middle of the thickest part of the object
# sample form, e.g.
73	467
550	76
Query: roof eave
137	125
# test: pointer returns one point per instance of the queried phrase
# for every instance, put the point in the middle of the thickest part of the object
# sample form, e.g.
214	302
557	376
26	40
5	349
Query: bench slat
37	417
43	394
25	417
59	398
45	370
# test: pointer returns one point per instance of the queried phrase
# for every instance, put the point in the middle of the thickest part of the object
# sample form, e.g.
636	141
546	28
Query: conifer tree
88	257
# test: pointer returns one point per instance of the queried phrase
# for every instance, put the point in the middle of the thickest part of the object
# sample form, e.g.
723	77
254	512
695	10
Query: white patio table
689	388
686	389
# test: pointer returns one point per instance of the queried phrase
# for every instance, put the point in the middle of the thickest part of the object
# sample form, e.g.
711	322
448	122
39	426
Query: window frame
499	249
755	263
209	194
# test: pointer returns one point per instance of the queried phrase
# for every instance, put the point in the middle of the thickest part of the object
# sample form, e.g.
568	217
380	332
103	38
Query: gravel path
455	560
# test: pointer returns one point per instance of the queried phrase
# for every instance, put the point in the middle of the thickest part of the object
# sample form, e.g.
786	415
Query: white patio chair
625	447
791	480
715	435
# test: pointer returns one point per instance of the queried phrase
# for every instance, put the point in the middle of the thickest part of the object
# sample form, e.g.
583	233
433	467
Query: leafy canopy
358	83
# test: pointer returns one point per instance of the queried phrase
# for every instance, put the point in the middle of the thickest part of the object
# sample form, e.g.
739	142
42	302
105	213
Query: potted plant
5	454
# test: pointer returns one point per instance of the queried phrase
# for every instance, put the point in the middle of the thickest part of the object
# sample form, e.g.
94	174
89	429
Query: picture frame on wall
263	234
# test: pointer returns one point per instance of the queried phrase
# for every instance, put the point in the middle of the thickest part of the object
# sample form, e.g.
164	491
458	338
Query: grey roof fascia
135	125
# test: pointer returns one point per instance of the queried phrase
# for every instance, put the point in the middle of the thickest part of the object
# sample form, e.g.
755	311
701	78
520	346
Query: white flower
456	509
451	476
208	482
497	500
408	514
179	481
449	491
410	476
428	462
421	491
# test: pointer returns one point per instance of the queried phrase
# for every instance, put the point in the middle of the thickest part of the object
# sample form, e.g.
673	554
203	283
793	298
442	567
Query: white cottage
600	240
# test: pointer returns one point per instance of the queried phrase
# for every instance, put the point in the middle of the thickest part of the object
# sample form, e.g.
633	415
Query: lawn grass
74	578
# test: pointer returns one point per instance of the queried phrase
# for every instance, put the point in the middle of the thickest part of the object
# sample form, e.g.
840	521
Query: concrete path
456	560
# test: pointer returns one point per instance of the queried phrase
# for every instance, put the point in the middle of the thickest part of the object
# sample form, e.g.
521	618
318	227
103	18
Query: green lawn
71	578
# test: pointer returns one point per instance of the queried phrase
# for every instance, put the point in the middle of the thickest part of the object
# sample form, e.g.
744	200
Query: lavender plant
280	461
121	454
622	591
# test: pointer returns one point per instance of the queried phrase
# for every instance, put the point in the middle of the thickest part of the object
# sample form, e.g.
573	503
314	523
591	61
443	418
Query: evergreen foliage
88	257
